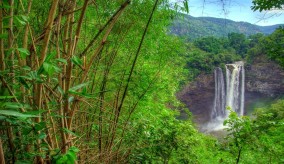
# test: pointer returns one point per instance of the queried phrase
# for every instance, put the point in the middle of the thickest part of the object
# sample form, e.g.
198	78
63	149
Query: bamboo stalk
98	50
11	39
2	55
69	63
48	28
68	70
2	157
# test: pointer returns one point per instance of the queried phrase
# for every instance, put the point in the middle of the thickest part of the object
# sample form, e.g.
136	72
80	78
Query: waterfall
219	102
233	96
243	91
235	79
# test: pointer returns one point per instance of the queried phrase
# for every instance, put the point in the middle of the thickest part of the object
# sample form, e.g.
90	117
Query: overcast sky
237	10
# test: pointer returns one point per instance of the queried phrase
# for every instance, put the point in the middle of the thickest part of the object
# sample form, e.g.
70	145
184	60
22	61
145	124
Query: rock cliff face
263	79
198	96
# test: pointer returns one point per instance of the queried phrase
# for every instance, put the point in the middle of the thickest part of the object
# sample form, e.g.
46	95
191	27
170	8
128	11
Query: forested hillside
96	81
191	28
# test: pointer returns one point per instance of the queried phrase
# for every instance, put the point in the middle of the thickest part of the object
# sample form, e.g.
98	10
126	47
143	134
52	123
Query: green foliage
95	101
266	5
239	129
239	43
209	44
106	85
261	135
273	46
173	141
269	129
68	158
15	113
208	53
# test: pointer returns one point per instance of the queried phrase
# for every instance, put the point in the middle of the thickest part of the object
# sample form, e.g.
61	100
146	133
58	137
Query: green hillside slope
196	27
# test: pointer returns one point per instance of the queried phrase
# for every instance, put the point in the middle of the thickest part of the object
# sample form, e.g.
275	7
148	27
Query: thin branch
136	57
105	25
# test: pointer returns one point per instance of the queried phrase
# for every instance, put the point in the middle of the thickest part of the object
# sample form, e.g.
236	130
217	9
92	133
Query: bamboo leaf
69	132
6	97
62	60
2	118
42	136
185	3
19	21
15	114
61	91
77	61
14	105
23	82
24	18
23	52
48	68
49	57
73	89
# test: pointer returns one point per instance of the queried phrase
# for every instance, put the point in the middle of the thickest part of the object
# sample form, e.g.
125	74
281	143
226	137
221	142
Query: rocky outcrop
198	96
263	79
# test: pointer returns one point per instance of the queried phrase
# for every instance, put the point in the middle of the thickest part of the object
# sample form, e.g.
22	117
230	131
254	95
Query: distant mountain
195	27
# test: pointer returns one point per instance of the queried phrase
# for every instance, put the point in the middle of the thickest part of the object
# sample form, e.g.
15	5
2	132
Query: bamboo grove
78	75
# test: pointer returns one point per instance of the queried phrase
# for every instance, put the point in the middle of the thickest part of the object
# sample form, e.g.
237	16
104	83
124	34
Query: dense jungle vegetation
95	81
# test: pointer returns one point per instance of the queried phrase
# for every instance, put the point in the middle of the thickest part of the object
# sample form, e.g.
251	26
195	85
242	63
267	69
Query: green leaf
2	118
62	160
42	136
3	36
73	89
48	68
24	18
62	60
23	52
23	82
15	105
71	99
40	126
26	68
49	57
15	114
185	3
70	132
74	149
19	20
77	61
71	156
5	5
6	97
61	91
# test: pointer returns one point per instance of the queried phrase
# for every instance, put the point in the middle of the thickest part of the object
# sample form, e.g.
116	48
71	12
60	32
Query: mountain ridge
195	27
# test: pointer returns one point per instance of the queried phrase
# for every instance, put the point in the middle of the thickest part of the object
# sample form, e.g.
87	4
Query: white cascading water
232	97
220	99
235	80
